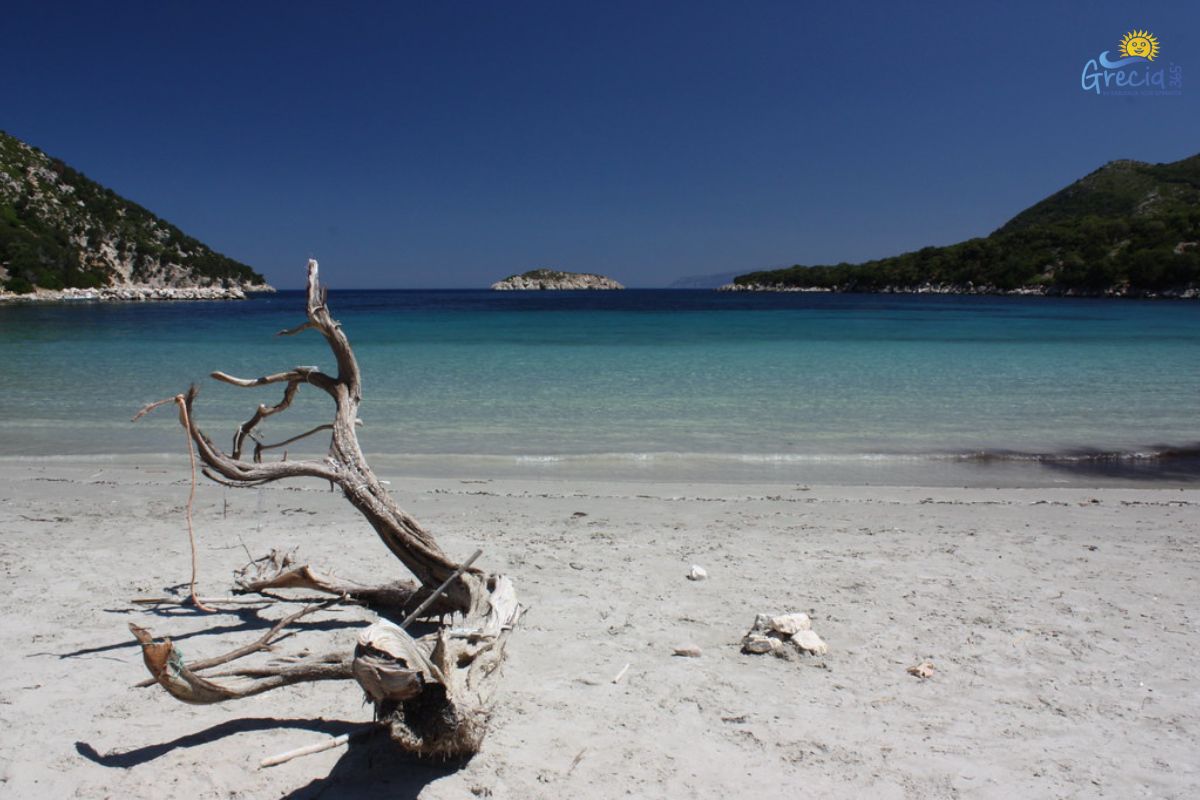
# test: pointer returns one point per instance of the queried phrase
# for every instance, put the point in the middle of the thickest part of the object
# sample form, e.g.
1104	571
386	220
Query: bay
646	383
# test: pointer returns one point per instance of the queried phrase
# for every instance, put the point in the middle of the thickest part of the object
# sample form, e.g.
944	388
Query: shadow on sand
141	755
370	767
249	620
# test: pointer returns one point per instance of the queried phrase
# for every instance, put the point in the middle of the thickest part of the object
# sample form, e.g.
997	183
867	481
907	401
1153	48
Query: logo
1139	44
1134	71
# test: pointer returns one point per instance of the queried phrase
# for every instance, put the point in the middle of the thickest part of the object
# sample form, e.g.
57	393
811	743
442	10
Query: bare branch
297	374
278	570
215	478
319	316
262	643
146	409
303	326
168	669
260	414
240	472
301	374
260	448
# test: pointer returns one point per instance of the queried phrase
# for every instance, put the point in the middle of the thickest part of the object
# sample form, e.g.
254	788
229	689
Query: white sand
1062	624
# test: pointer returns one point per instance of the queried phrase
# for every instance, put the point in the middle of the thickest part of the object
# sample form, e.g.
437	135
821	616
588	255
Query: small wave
1120	62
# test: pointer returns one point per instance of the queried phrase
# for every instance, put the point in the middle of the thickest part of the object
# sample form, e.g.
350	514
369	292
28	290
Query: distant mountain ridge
702	281
1127	229
59	230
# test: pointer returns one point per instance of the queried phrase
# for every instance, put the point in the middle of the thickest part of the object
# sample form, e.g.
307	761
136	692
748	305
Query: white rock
809	642
697	573
688	651
760	644
790	624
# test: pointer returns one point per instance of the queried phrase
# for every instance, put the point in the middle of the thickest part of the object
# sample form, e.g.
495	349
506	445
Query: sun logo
1141	44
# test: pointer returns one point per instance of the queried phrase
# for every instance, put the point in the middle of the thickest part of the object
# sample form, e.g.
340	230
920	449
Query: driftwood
308	750
432	692
277	570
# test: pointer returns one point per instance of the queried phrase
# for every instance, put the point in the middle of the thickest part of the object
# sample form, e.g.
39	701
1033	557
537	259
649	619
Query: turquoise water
664	384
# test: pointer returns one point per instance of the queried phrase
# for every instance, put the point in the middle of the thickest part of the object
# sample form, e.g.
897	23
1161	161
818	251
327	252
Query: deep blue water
695	383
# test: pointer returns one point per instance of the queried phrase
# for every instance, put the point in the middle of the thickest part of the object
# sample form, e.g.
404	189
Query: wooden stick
187	432
308	750
185	420
621	674
268	598
172	601
438	591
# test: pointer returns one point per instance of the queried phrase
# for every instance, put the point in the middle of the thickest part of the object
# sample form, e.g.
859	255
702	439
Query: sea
642	385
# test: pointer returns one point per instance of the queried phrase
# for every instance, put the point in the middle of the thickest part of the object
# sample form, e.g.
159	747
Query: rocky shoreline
135	293
1185	293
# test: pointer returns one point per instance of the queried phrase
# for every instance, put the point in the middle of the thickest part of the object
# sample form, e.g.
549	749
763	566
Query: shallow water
661	384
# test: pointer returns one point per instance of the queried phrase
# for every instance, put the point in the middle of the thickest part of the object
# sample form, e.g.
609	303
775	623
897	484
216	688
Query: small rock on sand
809	642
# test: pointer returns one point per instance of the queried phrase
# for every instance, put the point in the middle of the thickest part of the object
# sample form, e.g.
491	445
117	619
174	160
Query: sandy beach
1060	623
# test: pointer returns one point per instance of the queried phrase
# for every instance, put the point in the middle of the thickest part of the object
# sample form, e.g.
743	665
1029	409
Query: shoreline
1059	621
1164	467
135	293
1114	293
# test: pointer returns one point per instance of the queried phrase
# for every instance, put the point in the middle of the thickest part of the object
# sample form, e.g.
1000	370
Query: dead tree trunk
431	692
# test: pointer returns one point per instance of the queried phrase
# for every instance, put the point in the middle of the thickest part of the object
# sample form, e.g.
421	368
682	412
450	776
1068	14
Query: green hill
1129	228
59	229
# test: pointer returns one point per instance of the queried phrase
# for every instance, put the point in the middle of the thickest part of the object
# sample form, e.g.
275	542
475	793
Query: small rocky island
554	279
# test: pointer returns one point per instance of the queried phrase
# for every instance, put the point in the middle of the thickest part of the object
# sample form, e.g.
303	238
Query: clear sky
449	144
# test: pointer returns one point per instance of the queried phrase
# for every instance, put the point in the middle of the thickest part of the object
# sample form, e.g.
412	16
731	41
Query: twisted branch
429	692
262	643
166	665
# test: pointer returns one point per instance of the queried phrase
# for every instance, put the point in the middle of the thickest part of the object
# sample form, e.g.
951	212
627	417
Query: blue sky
449	144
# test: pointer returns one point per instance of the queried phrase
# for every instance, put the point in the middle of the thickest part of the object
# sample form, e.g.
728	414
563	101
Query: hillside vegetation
59	229
1127	228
